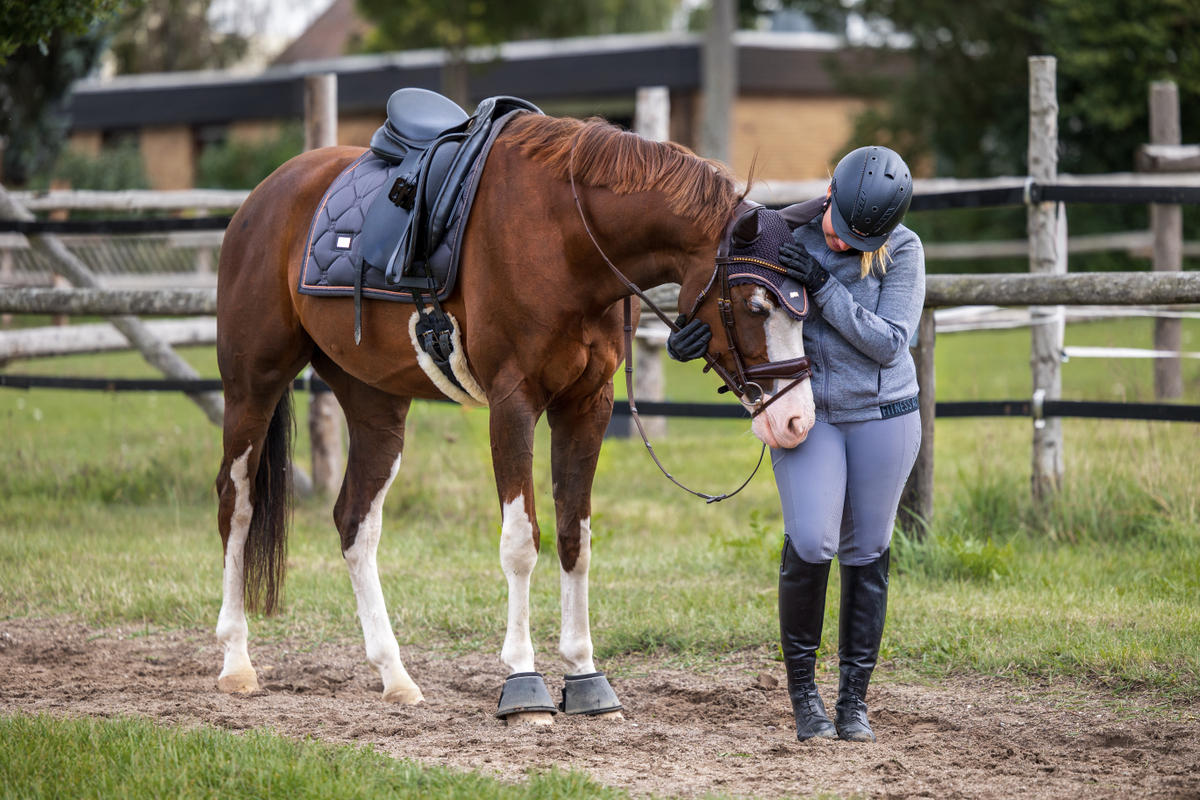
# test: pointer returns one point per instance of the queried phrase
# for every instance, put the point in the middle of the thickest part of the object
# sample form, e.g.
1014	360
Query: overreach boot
860	627
801	615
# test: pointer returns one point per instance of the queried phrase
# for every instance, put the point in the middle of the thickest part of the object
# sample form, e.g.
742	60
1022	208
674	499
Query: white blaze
787	421
575	643
518	555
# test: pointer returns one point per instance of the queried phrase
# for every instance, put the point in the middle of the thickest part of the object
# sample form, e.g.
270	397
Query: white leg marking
517	558
382	650
238	673
575	643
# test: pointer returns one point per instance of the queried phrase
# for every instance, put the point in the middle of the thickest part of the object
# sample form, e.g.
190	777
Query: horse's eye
757	309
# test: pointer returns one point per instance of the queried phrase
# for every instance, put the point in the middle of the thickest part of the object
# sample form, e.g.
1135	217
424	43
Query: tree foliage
965	101
34	22
171	36
34	87
406	24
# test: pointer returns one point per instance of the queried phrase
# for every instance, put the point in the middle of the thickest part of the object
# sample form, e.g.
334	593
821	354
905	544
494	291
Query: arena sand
723	729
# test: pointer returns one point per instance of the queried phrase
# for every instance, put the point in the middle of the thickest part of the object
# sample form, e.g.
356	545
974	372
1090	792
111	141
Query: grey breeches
840	488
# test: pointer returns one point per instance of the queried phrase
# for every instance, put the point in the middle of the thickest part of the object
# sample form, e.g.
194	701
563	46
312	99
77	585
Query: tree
34	22
34	86
457	25
171	36
965	101
963	107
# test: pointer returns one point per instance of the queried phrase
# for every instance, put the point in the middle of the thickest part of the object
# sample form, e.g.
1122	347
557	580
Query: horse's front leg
524	697
577	431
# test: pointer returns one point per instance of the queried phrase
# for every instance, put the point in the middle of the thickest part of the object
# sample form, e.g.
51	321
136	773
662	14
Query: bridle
744	381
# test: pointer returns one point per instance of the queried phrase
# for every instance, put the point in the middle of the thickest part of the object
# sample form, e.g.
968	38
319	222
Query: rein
740	384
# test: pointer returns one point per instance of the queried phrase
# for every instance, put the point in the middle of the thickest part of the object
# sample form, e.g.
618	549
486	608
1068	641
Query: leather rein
743	382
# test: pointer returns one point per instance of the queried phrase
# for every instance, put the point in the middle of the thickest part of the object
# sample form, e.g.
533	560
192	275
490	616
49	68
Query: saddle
434	145
390	225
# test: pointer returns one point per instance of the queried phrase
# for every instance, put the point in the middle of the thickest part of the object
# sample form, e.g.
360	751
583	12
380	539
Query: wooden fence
1114	288
1164	163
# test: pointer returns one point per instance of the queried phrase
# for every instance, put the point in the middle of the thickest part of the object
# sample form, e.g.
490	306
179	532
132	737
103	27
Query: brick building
788	108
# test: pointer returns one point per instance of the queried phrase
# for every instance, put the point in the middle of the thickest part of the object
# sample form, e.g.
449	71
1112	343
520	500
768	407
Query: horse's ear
746	231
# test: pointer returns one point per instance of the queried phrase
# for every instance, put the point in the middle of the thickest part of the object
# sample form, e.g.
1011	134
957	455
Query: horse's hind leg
252	517
376	423
257	369
577	431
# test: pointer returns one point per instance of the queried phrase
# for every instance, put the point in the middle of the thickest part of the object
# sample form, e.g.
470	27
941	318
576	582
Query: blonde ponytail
876	258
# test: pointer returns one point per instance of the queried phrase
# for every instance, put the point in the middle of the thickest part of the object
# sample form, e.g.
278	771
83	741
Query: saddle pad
335	243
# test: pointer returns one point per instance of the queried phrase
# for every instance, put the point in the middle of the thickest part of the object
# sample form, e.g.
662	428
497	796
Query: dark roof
605	66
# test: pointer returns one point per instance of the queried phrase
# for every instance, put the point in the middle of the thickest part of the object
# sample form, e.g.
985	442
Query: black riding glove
690	341
802	266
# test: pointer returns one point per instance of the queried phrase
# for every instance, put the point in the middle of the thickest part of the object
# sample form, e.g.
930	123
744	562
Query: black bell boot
801	615
860	627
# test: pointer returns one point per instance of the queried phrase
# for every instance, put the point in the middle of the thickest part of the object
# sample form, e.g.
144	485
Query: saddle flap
486	114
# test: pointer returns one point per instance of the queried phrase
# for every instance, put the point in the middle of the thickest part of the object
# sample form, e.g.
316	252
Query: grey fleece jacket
858	340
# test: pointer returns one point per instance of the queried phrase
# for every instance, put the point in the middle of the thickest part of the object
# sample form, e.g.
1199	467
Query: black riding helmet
872	189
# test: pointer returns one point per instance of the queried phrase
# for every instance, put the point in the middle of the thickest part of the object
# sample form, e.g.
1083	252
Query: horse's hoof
525	694
238	682
404	695
530	718
611	715
590	694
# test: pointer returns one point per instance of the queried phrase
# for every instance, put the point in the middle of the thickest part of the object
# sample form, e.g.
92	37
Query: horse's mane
698	189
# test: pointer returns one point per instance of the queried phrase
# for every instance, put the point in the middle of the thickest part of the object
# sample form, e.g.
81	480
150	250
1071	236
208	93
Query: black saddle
435	145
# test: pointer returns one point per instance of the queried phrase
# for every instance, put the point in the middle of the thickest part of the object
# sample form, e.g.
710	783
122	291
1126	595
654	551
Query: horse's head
757	315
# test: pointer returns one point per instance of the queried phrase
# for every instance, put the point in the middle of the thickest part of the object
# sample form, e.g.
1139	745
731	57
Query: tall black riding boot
801	615
864	607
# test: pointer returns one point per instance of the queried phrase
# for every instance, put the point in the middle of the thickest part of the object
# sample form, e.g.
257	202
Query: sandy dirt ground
722	730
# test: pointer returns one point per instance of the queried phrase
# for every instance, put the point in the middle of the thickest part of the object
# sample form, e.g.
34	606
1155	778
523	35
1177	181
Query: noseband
743	381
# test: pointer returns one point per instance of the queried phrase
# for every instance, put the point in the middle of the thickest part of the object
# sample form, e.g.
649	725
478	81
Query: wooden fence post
719	80
1044	233
916	504
324	414
7	276
1167	224
651	120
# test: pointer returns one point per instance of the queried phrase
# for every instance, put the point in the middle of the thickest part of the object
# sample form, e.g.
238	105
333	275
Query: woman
840	488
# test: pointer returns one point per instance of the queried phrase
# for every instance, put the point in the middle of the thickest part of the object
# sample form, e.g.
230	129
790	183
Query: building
788	109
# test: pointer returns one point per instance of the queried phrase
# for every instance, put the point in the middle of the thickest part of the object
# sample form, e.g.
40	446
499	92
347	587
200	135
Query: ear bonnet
754	258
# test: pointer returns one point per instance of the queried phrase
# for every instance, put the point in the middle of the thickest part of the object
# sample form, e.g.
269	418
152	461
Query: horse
541	325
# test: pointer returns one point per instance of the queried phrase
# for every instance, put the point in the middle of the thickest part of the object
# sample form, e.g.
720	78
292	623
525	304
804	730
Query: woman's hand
690	341
802	266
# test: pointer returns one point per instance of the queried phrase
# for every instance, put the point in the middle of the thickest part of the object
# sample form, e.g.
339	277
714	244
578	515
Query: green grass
107	514
44	757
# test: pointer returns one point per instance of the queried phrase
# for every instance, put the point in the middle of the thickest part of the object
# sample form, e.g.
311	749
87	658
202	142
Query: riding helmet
872	189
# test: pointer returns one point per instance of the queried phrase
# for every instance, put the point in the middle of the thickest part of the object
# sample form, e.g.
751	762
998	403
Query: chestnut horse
542	330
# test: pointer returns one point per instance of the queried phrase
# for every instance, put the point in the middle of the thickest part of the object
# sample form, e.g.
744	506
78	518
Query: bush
115	169
244	165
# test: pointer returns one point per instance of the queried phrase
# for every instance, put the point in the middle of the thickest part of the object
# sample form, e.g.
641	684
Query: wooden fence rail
1007	289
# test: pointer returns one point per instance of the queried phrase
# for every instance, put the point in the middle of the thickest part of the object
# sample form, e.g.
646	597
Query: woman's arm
884	334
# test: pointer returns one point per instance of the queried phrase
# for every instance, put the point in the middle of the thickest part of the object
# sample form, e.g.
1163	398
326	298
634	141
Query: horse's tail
266	542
